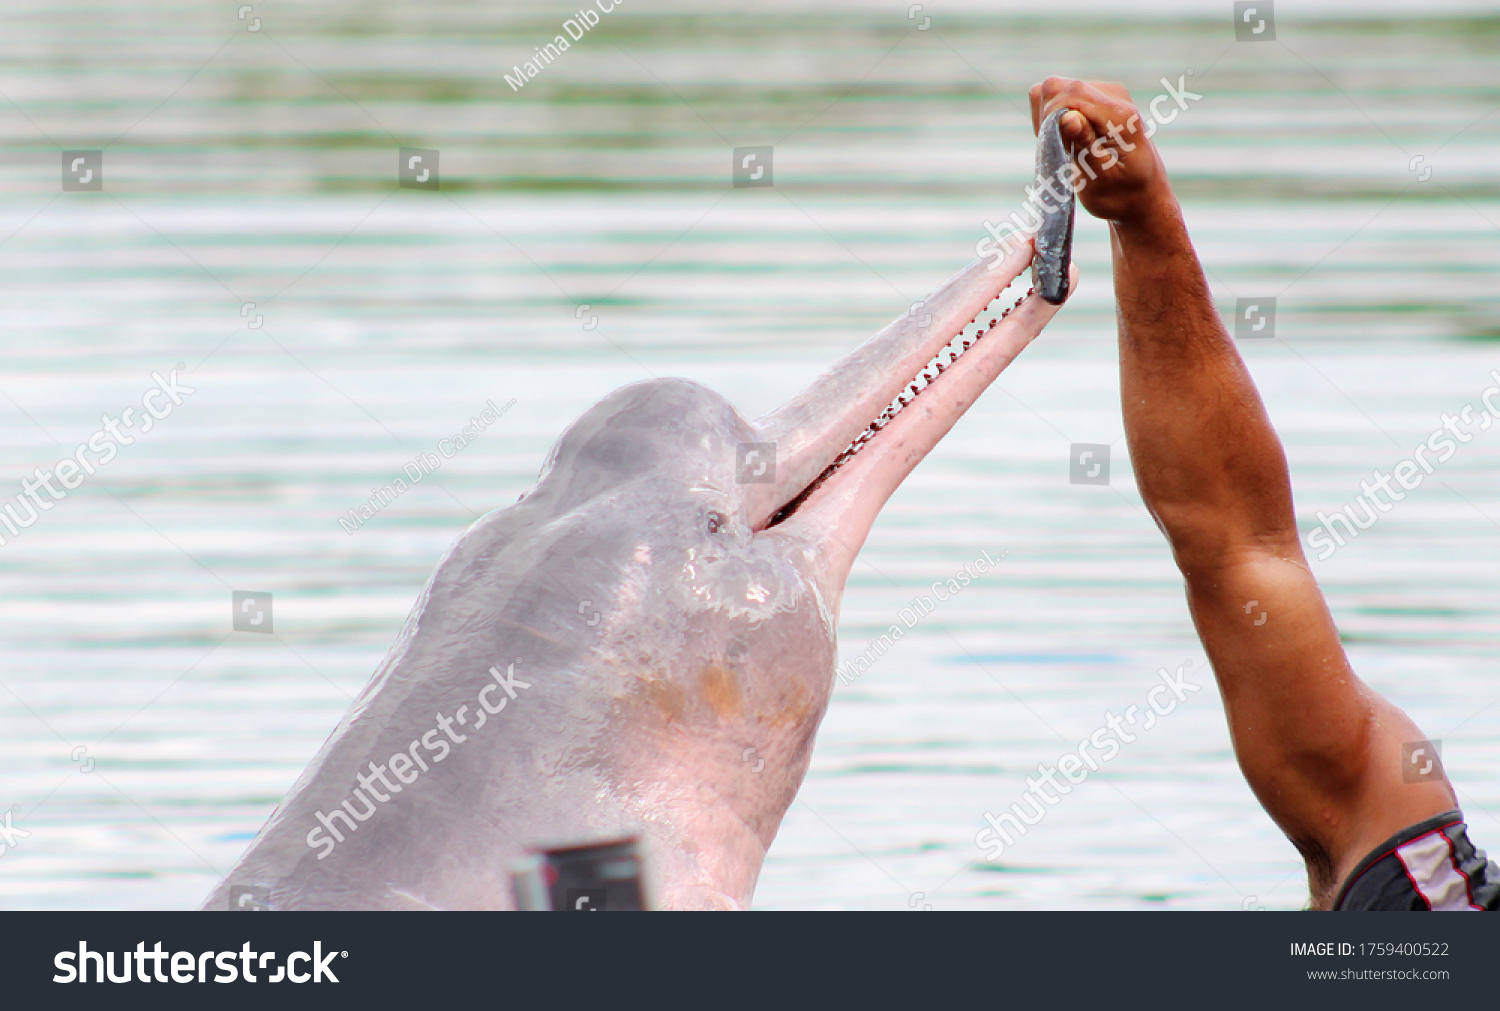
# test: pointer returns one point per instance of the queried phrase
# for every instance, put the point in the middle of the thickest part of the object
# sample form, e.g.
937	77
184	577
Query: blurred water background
1345	169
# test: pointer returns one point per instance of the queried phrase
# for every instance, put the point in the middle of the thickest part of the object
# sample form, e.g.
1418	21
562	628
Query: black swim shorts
1430	866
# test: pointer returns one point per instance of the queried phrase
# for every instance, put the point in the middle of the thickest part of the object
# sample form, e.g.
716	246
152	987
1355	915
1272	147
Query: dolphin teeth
954	349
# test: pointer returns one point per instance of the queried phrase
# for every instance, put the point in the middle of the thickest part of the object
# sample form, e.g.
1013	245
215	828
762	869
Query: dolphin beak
837	504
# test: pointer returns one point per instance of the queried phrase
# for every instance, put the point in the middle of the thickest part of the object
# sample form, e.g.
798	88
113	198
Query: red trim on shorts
1407	870
1368	862
1457	866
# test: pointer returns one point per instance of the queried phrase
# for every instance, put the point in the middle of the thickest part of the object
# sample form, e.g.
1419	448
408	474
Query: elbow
1210	538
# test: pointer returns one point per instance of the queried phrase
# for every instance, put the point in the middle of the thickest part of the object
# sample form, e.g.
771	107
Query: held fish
1054	193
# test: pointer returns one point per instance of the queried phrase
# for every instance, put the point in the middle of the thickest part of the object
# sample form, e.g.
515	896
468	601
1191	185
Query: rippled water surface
142	742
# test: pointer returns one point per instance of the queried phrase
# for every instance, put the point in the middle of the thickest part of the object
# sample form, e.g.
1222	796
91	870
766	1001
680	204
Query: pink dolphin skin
635	648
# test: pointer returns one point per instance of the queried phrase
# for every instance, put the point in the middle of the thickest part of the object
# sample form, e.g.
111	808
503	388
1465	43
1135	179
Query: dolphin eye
716	522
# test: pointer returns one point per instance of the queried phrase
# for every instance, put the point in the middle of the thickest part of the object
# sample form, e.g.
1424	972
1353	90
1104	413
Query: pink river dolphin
644	645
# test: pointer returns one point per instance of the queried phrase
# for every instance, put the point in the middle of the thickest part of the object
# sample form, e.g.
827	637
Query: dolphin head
643	645
725	544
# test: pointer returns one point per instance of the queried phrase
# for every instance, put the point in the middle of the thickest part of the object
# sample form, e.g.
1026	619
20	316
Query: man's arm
1321	750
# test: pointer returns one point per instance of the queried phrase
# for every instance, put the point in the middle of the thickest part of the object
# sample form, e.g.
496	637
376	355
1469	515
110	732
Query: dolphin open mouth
845	443
972	333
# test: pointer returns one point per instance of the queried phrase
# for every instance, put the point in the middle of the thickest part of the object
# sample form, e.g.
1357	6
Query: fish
1050	269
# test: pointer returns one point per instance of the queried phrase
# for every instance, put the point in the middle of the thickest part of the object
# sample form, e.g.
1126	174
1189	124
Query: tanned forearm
1210	467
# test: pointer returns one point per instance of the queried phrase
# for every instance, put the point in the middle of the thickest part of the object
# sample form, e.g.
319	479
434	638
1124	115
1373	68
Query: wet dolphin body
634	648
